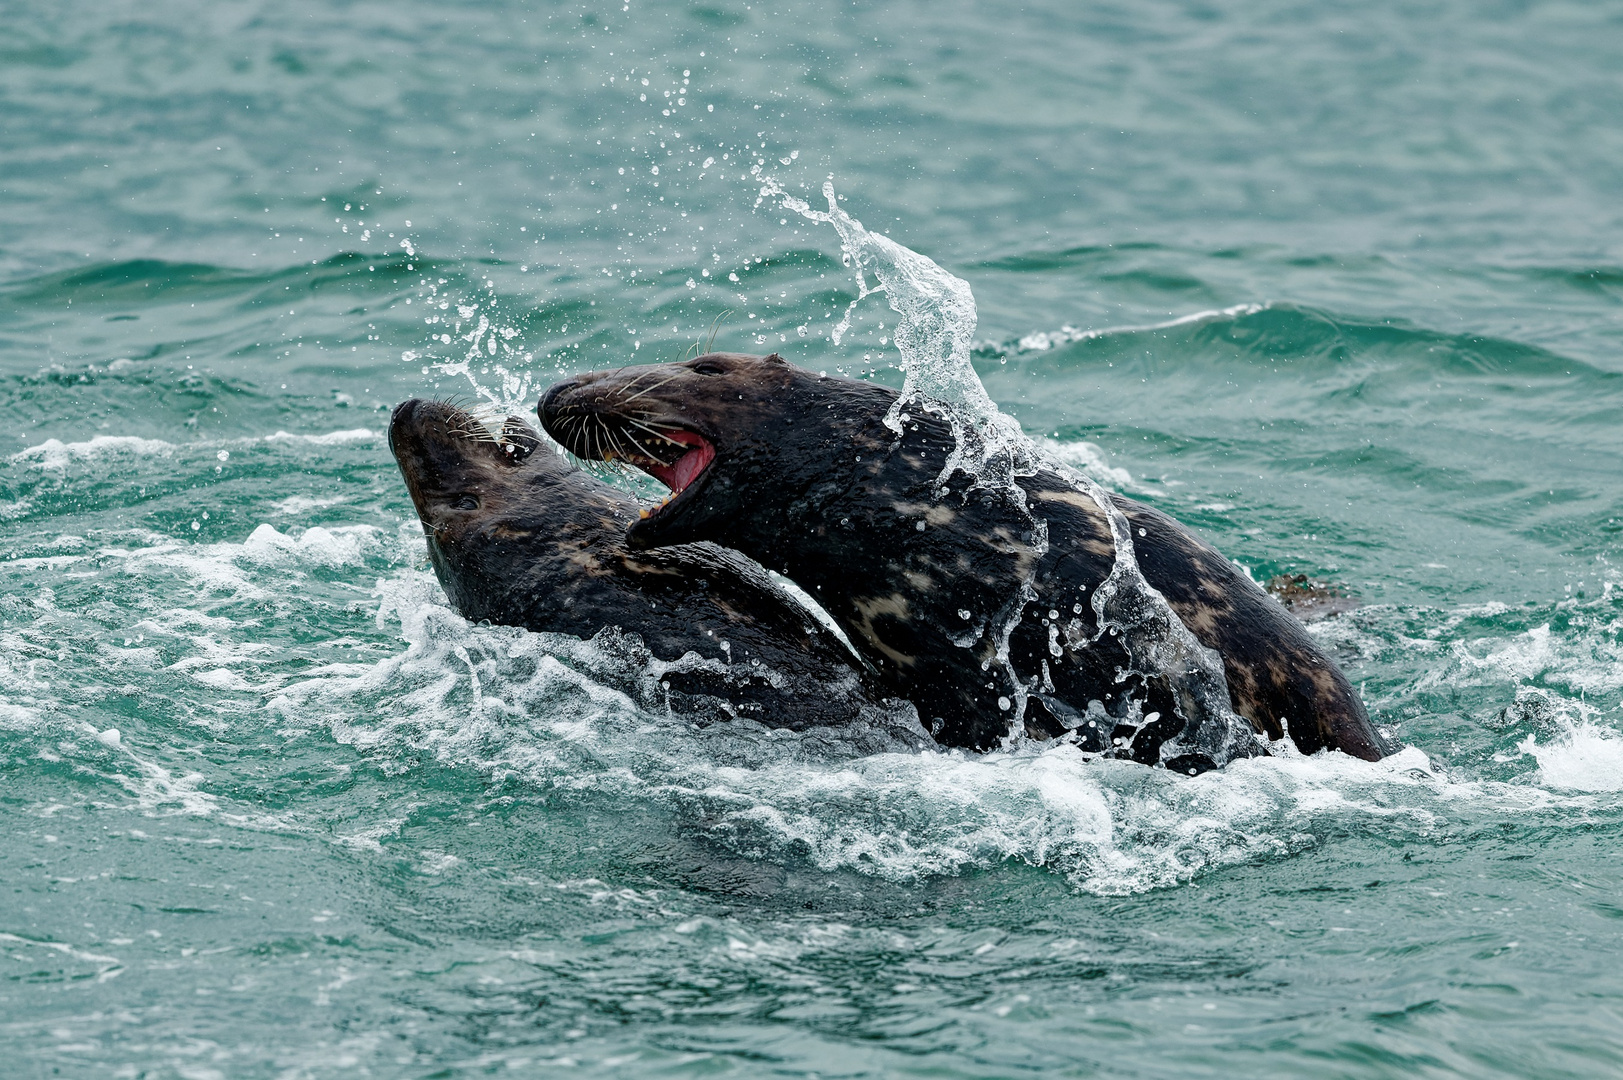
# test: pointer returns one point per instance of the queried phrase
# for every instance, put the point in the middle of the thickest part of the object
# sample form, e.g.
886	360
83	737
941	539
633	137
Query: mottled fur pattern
520	537
808	480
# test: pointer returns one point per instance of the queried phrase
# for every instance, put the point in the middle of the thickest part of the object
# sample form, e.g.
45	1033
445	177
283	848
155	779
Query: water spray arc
934	334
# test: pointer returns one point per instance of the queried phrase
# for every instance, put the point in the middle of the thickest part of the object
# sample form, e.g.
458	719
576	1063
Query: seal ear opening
774	358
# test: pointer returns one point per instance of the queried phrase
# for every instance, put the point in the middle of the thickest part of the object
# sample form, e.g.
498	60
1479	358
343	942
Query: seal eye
709	367
465	502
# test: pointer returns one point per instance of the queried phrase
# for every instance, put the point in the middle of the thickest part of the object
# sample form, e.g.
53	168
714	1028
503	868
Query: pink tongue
682	472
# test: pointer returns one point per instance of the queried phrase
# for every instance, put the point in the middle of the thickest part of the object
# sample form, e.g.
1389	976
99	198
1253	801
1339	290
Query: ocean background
1339	286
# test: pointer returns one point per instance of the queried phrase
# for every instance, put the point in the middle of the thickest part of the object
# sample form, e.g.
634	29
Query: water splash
935	336
507	704
488	341
1162	648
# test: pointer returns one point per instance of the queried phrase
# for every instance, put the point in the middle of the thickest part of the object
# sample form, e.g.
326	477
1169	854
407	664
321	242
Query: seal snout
624	416
550	401
402	412
400	418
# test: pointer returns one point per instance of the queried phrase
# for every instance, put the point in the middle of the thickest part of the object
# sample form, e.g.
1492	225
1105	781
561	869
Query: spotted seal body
927	578
519	537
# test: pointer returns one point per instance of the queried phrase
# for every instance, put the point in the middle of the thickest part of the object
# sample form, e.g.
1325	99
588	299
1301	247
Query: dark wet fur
540	544
809	481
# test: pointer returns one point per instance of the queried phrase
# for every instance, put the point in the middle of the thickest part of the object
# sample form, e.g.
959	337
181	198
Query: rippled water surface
1341	289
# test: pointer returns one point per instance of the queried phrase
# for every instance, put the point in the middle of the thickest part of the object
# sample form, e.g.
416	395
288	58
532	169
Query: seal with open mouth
969	600
520	537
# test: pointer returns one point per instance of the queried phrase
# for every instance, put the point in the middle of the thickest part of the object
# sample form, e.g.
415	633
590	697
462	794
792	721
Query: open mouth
596	430
690	455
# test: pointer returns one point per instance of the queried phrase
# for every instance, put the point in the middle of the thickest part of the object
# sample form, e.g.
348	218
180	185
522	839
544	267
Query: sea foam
513	706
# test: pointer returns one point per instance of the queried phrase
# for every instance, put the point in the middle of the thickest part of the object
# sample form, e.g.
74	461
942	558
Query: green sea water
1341	287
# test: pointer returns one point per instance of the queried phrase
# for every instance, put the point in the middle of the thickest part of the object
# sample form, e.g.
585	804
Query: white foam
298	504
222	679
108	965
340	545
255	570
434	863
19	717
55	455
1043	340
1584	757
158	791
1088	458
331	438
52	563
370	838
524	707
1586	660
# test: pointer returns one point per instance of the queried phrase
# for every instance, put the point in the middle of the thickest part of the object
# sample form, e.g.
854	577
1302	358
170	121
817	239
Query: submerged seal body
520	537
971	600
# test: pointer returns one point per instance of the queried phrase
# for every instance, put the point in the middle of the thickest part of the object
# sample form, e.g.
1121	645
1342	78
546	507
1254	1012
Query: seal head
519	536
676	421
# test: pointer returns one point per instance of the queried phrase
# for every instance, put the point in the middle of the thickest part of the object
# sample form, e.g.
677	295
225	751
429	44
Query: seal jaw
603	418
684	477
688	478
